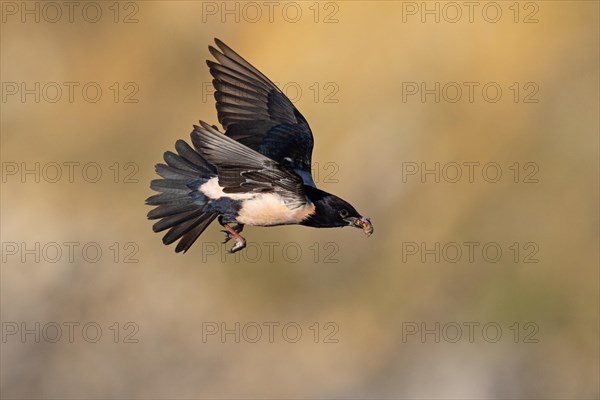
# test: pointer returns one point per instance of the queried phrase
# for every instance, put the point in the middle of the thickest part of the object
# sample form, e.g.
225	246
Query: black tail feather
166	210
166	198
191	156
170	186
168	172
195	230
175	161
179	204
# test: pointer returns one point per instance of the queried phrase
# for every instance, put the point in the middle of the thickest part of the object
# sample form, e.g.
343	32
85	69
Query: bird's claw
228	236
239	245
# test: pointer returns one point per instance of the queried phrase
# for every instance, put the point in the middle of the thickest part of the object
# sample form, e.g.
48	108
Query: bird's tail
179	204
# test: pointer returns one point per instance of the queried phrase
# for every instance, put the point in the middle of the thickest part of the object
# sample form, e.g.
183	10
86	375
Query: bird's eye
343	213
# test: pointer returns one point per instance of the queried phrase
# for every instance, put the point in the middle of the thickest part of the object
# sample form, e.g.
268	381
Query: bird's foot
240	243
234	233
228	235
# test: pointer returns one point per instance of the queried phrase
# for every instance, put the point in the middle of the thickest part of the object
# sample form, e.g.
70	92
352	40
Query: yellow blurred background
306	313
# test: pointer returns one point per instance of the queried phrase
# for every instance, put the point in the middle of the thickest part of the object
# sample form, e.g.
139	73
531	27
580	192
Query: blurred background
474	285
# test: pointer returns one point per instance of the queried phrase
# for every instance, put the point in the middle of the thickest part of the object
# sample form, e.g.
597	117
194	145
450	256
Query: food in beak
365	224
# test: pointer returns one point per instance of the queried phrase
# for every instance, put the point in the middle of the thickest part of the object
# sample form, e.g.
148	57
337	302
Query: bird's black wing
256	113
243	170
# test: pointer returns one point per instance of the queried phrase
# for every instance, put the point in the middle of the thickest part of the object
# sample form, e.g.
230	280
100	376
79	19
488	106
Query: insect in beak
363	223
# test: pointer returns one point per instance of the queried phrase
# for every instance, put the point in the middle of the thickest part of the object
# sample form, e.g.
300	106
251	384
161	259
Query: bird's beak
363	223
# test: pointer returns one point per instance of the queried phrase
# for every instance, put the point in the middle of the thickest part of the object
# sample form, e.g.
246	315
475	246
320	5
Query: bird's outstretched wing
256	113
242	170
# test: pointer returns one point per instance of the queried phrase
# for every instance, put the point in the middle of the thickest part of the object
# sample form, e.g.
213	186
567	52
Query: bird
256	172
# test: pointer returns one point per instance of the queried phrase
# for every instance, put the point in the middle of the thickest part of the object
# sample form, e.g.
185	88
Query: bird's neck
318	198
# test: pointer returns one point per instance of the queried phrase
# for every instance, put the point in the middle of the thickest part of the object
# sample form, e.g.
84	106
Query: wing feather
255	112
243	170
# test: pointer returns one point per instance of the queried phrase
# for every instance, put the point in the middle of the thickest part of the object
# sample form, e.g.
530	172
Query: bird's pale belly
260	209
269	209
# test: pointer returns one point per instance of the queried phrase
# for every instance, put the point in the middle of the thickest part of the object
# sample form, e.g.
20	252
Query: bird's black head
331	212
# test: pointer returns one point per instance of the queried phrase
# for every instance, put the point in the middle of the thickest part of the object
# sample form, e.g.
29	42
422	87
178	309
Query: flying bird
258	172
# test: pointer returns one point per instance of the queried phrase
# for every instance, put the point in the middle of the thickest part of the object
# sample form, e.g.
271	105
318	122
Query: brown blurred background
347	65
